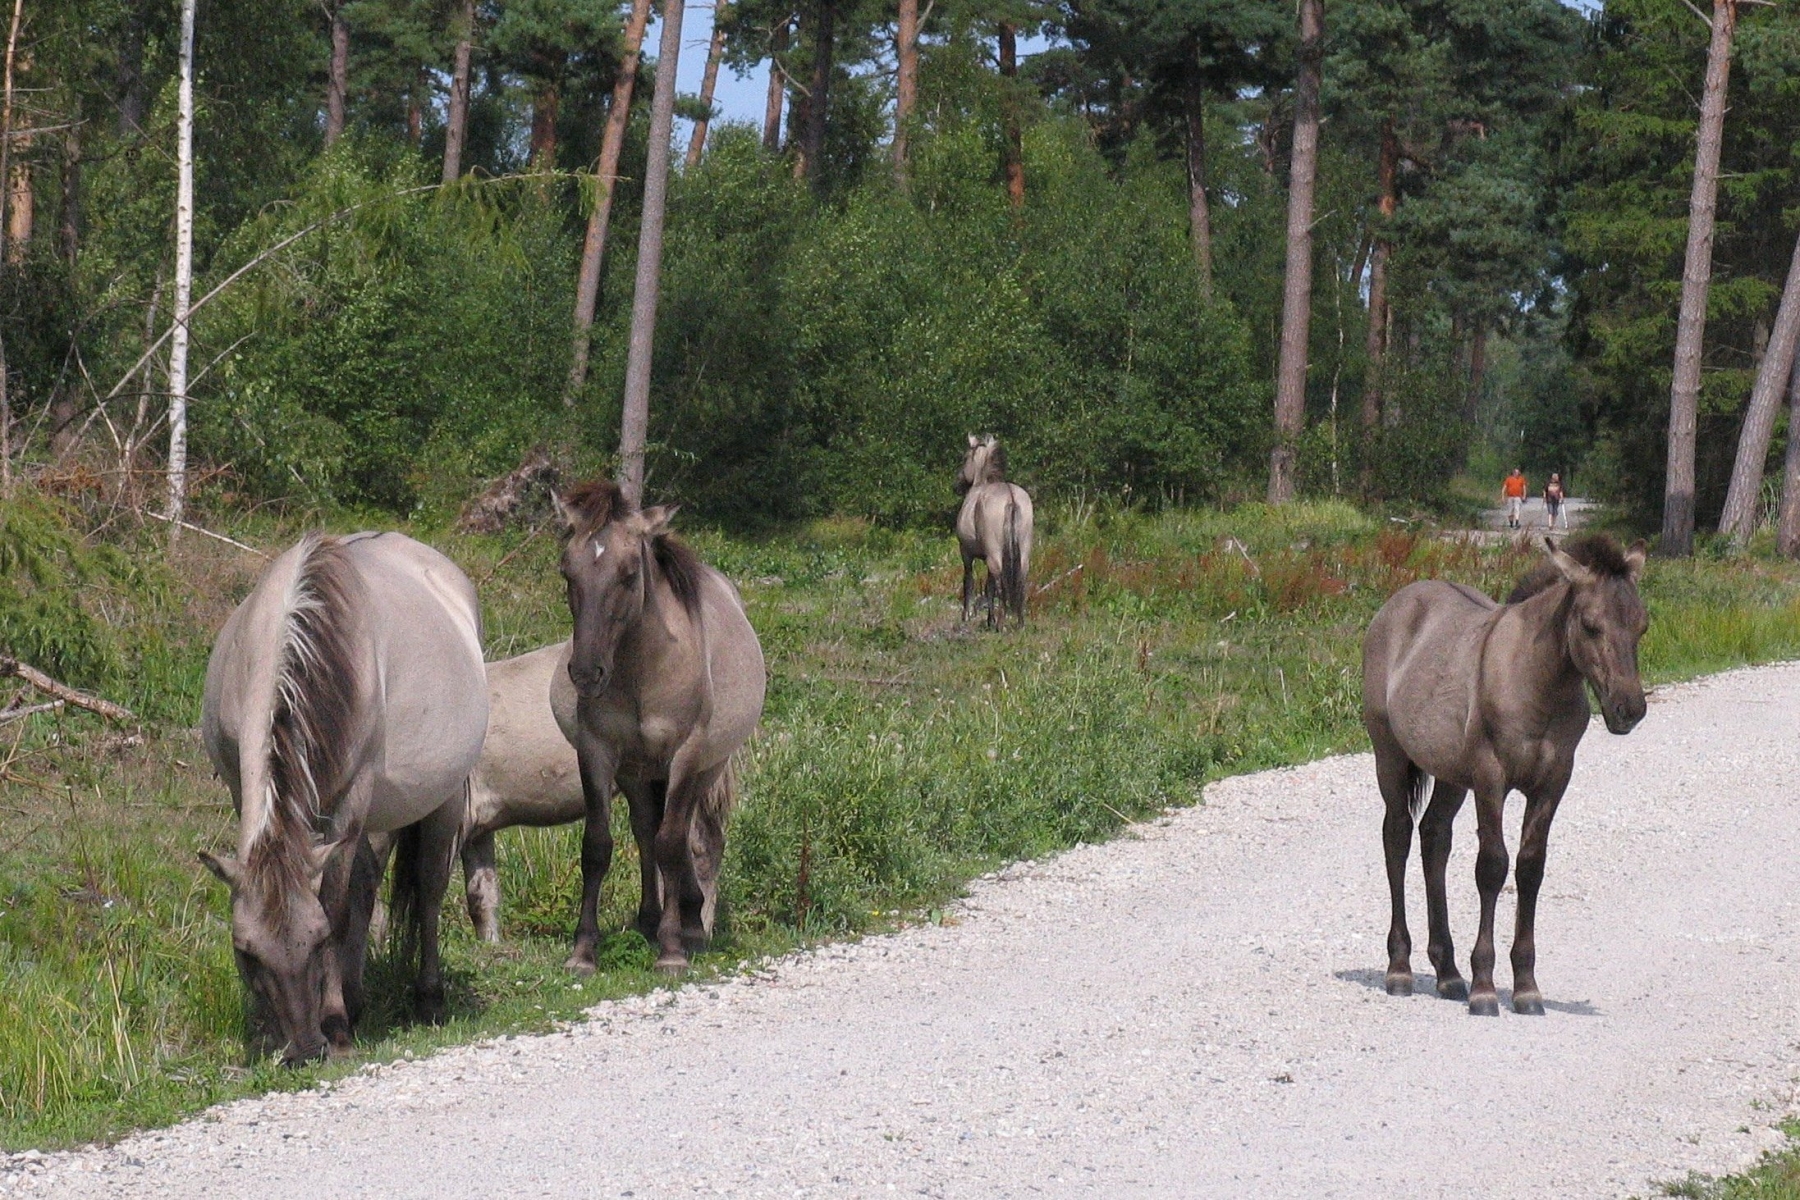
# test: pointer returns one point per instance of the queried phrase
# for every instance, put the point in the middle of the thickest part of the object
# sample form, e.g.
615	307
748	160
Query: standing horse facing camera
1487	698
344	697
665	681
994	525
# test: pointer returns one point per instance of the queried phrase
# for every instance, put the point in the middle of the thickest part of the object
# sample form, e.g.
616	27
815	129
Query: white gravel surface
1193	1010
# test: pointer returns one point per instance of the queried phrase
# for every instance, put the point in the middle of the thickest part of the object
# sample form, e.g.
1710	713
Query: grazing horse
344	698
1487	698
994	525
664	682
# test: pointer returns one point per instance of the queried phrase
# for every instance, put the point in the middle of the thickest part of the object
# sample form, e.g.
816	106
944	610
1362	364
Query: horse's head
984	463
281	937
606	563
1604	622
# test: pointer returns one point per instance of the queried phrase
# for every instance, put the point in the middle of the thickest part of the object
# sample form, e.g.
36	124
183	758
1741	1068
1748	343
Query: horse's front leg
1534	846
646	802
681	926
437	855
1434	849
1490	877
598	768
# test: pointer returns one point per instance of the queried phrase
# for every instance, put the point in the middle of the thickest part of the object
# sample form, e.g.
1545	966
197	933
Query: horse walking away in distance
664	682
344	698
1487	698
994	525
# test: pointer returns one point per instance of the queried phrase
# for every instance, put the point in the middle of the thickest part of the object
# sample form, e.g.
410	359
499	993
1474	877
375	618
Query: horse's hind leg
437	852
481	886
1434	850
681	926
968	592
1534	845
1398	779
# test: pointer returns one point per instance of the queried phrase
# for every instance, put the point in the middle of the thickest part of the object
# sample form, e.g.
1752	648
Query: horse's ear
1570	570
224	866
567	515
656	520
974	441
320	859
1634	559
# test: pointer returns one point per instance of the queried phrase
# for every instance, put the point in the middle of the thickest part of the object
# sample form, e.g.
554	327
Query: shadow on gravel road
1425	984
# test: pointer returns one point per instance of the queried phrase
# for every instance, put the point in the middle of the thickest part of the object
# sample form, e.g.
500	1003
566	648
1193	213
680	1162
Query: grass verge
900	754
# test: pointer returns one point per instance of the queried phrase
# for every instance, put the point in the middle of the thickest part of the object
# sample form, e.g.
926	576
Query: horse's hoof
1528	1005
1487	1005
428	1004
1398	984
1453	989
672	965
578	965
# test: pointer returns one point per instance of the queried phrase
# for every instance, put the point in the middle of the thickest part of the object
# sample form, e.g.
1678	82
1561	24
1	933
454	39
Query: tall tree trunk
778	44
415	110
1777	365
1696	276
708	83
1199	216
634	423
606	178
456	120
544	108
1387	172
337	84
1787	531
1296	292
906	82
1478	336
21	209
818	101
6	114
1009	114
129	70
184	278
69	222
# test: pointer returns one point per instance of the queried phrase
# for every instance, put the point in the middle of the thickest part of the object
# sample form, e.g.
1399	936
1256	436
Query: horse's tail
316	689
706	842
1418	790
1012	564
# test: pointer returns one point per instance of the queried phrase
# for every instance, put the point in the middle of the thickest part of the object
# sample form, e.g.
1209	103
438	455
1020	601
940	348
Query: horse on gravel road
344	697
1487	697
665	681
994	525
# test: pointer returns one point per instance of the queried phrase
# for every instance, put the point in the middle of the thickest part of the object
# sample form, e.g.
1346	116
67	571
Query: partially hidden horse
665	680
528	773
1489	698
994	526
344	698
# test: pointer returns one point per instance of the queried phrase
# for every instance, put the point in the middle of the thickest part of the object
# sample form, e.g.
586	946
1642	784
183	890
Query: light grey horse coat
344	697
1489	698
994	526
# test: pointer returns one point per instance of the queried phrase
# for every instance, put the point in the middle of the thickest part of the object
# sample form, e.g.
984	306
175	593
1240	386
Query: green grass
900	755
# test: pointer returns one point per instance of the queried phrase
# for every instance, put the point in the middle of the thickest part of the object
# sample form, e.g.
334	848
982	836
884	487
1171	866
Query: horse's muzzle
1623	718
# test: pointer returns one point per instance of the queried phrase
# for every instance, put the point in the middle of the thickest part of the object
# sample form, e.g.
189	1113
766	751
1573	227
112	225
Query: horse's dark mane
316	686
598	501
1595	551
995	468
682	568
593	504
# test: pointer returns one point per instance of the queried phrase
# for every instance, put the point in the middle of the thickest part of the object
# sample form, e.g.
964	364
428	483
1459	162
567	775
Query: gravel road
1195	1010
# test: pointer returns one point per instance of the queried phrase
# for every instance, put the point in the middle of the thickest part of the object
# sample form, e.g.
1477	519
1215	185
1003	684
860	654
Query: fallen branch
62	691
14	714
218	537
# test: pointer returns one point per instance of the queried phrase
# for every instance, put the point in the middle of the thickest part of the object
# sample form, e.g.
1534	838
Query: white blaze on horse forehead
598	549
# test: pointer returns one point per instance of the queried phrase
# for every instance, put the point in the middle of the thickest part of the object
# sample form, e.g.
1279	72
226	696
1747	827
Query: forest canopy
1078	247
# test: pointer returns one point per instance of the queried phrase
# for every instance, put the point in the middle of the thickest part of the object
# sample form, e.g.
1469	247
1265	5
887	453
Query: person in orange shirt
1513	491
